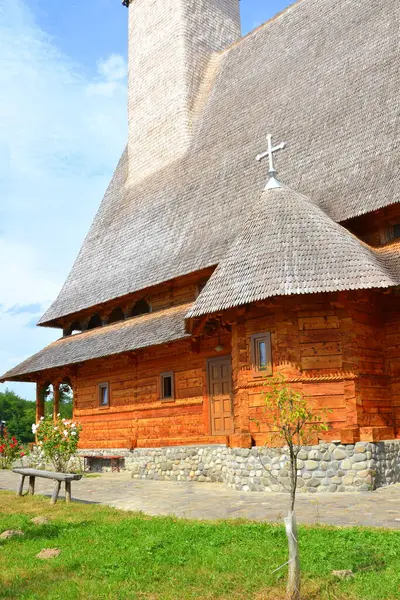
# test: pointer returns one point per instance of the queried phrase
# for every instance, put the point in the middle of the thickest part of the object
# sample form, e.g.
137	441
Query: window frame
100	386
255	339
163	376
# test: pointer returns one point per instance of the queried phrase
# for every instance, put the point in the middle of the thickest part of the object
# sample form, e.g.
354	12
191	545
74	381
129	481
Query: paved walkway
216	501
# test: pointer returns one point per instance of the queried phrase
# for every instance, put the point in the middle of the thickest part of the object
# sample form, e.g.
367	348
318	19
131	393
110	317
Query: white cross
270	153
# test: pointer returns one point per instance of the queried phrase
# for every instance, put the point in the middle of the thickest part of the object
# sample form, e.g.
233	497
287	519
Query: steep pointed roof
289	245
324	77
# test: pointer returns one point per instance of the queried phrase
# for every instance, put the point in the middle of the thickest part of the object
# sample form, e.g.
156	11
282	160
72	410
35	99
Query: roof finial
272	182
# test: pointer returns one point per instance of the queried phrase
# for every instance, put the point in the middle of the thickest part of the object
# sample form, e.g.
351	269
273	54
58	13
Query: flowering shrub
57	440
10	450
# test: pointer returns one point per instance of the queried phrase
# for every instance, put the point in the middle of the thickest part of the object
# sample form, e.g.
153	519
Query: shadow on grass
60	500
44	583
50	531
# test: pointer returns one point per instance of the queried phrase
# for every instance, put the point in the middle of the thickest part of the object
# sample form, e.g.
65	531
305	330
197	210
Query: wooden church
205	270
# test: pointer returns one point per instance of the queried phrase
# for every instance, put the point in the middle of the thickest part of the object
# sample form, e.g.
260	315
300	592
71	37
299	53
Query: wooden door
220	395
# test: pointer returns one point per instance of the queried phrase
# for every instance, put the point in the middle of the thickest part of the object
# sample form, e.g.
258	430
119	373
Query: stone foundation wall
386	462
323	468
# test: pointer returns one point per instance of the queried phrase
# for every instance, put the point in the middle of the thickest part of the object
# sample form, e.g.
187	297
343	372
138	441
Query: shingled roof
139	332
324	77
288	245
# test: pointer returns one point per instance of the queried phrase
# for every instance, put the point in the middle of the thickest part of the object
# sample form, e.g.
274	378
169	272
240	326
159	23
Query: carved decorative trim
316	379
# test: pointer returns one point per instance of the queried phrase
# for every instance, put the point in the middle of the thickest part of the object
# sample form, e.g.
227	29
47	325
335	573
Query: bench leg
67	491
115	465
56	491
21	486
31	485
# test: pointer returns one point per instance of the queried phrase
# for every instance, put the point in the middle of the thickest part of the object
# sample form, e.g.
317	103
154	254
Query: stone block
358	457
365	487
346	464
348	479
339	454
311	465
313	482
319	474
315	455
244	452
360	466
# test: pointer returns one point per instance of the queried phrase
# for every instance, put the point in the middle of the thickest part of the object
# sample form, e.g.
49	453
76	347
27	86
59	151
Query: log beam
40	391
56	400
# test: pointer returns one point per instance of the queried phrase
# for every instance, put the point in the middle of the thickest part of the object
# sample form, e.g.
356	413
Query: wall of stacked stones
328	467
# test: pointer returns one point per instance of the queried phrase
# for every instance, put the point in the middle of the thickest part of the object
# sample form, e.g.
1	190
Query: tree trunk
293	585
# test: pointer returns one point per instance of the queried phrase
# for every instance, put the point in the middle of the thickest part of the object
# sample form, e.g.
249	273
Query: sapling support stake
293	584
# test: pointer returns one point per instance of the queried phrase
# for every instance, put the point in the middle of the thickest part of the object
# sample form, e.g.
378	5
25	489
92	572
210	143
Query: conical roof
289	245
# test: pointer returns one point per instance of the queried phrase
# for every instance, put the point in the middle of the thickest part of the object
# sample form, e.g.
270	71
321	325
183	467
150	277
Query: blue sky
62	128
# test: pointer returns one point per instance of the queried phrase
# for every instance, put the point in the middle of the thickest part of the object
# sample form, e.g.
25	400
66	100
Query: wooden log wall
369	348
392	343
306	349
332	348
136	416
341	350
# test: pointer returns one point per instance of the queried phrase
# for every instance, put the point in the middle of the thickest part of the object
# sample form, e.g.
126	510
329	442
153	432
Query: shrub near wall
58	441
10	450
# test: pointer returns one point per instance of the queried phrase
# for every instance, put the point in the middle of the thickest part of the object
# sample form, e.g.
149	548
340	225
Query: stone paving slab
194	500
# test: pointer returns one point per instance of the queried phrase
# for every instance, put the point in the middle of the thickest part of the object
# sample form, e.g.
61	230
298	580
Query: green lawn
110	554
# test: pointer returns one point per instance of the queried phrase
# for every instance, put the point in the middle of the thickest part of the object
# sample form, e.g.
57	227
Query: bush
57	441
10	450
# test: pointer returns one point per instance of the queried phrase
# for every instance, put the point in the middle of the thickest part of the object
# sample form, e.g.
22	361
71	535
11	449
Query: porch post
39	401
56	401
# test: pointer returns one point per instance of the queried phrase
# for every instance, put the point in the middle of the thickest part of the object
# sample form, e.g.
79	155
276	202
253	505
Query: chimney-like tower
170	44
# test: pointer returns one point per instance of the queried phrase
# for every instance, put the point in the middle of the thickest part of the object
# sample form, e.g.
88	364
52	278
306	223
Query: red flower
22	454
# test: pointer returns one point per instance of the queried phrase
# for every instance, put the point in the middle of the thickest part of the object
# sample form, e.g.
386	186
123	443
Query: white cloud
61	134
114	68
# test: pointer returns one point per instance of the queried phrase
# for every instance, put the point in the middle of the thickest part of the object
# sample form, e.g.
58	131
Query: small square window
167	386
261	353
104	397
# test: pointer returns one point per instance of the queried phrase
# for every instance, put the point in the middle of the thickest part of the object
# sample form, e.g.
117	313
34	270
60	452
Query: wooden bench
114	460
58	478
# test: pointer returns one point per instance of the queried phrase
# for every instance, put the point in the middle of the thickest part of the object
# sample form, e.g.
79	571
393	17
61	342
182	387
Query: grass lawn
116	555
